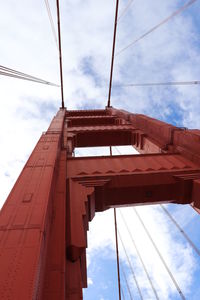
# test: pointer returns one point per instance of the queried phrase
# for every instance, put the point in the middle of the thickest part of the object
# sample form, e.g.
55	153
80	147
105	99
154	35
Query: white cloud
90	282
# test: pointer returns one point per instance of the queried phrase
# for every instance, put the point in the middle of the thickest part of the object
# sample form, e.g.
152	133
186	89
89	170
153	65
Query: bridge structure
44	222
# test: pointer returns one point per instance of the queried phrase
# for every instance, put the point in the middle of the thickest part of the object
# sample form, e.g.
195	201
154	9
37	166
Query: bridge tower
44	222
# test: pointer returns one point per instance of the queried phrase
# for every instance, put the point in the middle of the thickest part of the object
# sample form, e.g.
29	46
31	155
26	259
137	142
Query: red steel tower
44	222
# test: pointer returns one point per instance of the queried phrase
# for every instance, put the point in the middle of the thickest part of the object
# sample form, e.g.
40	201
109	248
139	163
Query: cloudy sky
171	53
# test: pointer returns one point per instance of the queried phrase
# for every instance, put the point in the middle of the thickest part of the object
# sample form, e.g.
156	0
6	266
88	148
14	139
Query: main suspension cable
181	230
177	12
123	13
160	255
60	54
130	266
19	75
140	257
9	70
113	52
127	284
194	82
51	22
26	78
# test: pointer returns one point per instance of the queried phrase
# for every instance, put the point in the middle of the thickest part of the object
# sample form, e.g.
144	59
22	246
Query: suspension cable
195	208
116	245
177	12
9	70
26	78
180	229
117	150
140	257
123	297
123	13
159	83
130	266
117	253
127	285
60	54
19	75
160	255
51	21
113	52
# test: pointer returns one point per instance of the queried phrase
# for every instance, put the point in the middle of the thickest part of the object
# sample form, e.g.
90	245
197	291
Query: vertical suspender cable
113	52
110	150
161	257
60	53
140	257
116	243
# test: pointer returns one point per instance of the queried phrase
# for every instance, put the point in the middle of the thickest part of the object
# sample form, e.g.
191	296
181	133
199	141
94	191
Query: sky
170	53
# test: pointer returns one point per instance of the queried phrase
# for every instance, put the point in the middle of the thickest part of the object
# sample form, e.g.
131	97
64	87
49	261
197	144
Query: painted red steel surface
25	220
44	222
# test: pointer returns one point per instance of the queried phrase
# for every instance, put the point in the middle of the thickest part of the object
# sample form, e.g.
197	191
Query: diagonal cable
123	297
140	257
160	255
116	245
127	285
24	78
51	21
181	230
117	150
177	12
194	82
130	266
19	75
123	13
117	248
